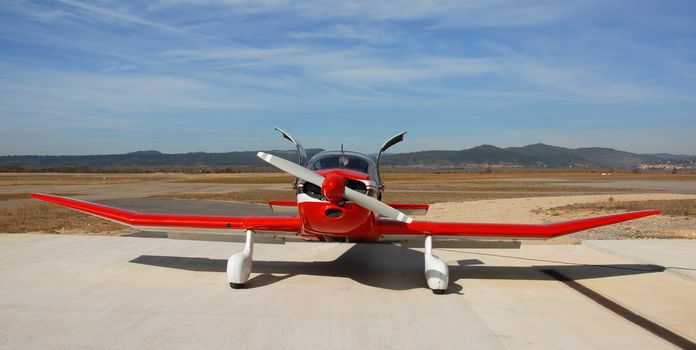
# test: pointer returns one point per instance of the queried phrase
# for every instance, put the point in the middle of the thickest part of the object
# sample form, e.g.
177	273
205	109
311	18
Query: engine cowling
333	188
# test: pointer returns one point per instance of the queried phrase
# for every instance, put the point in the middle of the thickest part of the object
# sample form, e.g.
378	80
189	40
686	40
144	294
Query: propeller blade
376	206
292	168
364	201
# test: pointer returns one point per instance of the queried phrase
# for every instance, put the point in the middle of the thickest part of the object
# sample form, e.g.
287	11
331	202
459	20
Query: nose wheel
239	265
436	271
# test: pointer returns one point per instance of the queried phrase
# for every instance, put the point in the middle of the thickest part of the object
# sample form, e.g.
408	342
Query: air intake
334	213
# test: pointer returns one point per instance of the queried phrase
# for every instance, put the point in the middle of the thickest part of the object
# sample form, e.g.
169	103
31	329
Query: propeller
364	201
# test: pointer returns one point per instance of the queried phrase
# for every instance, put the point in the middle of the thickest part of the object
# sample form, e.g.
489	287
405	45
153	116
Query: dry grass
50	218
409	177
15	179
26	195
260	178
675	207
9	179
391	178
11	196
440	197
396	177
247	196
503	186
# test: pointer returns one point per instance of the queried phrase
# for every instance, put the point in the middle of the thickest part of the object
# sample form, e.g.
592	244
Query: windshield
346	160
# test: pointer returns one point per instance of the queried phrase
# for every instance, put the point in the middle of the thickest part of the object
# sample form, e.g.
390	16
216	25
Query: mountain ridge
538	155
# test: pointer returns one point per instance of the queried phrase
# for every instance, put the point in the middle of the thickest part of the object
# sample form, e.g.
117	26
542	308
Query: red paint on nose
333	188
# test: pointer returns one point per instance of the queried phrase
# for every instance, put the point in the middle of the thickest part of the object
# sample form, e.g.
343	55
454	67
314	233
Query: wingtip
45	197
645	212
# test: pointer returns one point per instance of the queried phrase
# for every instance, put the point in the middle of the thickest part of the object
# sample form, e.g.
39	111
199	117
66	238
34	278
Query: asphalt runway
125	292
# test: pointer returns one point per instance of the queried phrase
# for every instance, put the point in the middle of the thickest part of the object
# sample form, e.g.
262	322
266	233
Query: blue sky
96	77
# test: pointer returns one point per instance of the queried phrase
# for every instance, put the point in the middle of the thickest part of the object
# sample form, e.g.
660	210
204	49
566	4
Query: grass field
679	207
26	195
16	179
260	178
40	217
280	178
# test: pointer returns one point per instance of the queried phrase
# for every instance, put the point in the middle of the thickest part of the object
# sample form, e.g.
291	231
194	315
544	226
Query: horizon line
315	148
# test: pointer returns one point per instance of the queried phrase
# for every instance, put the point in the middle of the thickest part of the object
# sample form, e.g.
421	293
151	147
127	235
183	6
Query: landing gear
239	265
436	271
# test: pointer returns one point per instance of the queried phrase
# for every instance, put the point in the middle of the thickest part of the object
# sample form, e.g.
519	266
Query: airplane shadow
391	267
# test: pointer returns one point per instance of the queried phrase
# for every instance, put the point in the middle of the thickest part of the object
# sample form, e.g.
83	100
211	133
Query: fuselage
326	218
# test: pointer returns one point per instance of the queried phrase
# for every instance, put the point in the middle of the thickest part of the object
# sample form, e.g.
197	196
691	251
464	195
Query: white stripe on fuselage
303	197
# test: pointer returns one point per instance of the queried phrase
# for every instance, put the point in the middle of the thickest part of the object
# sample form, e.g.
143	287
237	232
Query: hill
146	161
531	156
536	155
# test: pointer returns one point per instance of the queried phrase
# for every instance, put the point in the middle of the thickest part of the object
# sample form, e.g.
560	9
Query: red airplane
339	200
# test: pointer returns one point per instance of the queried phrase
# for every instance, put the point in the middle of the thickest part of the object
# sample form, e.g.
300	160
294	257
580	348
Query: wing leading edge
385	227
172	222
456	230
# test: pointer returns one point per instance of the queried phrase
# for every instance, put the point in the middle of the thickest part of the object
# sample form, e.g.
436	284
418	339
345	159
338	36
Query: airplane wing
180	223
392	229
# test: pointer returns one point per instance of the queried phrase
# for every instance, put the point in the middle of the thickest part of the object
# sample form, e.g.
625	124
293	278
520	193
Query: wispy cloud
188	65
109	14
367	34
412	71
441	13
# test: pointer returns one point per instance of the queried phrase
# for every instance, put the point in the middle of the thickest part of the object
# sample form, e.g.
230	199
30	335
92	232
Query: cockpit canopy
345	160
359	170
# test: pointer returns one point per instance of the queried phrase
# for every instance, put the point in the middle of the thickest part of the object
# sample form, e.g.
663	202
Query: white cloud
236	54
76	95
368	34
346	65
441	13
415	70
